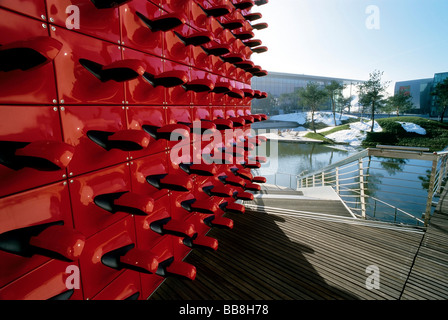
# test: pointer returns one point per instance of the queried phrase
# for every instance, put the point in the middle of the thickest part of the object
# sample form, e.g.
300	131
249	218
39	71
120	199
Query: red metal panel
23	81
202	97
178	95
148	166
148	119
146	236
125	287
91	19
31	208
78	85
33	8
136	125
182	115
135	33
77	121
198	18
95	274
27	124
86	191
170	264
164	250
174	48
49	281
175	5
140	90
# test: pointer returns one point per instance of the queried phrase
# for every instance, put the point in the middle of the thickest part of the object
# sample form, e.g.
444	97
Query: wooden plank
343	265
282	257
283	270
428	278
402	154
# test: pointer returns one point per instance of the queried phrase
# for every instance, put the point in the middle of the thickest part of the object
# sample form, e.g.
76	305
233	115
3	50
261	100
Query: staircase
341	191
317	203
318	200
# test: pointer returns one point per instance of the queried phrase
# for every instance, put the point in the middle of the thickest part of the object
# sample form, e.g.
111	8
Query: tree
313	96
334	92
399	103
343	103
267	105
441	95
289	102
371	93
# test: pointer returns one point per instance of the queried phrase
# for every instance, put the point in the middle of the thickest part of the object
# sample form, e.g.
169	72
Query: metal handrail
438	173
337	176
391	206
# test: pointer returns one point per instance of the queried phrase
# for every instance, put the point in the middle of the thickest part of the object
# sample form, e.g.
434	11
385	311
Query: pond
393	186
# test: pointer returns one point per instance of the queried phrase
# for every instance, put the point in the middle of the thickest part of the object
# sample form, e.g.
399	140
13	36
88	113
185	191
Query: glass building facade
420	90
276	83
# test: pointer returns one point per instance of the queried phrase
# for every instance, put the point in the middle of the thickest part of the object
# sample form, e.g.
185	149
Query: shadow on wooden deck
256	260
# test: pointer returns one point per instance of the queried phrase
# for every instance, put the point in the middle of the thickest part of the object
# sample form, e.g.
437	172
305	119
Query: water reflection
402	183
294	158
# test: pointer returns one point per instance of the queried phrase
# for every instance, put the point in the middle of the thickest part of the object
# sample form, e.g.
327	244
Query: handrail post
361	188
323	178
337	180
430	191
442	172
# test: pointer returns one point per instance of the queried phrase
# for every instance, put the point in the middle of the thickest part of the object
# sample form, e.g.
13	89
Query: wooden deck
429	276
285	257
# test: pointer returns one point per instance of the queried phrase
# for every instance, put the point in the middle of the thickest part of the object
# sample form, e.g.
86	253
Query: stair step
334	207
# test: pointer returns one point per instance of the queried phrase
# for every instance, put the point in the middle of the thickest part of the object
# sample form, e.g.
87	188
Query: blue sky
330	38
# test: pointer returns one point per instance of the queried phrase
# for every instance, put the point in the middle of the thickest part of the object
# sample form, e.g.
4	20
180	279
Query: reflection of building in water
420	90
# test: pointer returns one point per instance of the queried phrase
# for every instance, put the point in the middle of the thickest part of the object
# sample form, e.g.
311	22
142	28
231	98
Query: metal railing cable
383	182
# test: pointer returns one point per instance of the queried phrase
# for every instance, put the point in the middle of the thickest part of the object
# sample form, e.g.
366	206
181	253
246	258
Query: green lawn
321	135
436	137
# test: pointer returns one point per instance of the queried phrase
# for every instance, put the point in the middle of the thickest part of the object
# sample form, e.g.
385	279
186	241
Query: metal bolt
64	176
51	20
62	101
71	181
62	109
55	109
53	28
71	173
64	183
44	26
43	17
55	101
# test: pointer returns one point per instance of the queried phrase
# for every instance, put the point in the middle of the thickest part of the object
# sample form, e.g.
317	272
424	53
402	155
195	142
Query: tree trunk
373	116
333	104
443	113
312	120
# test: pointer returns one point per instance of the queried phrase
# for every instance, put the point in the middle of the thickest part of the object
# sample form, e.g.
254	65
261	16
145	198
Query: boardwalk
429	276
286	257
